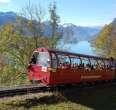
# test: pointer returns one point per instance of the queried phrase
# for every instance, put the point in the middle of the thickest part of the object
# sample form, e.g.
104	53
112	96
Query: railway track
9	92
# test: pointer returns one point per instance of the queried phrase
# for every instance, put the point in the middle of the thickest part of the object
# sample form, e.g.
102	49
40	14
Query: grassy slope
92	99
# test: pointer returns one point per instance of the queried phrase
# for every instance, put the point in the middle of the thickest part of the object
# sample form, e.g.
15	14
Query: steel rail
9	92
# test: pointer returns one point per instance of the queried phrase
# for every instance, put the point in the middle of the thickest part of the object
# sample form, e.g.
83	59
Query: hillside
7	17
106	40
79	33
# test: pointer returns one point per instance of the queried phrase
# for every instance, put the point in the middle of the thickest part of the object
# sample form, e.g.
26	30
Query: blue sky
79	12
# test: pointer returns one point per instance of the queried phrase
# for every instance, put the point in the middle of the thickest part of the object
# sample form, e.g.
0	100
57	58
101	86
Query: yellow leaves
104	35
107	40
8	28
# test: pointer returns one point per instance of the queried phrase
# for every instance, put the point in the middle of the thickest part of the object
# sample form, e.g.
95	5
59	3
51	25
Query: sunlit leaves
106	40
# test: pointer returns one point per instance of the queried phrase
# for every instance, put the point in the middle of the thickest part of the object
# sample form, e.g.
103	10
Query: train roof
75	54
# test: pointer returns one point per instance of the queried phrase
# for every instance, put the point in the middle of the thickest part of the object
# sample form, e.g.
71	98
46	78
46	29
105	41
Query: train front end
38	66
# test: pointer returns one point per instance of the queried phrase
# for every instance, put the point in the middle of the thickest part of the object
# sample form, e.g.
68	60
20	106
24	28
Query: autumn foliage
106	41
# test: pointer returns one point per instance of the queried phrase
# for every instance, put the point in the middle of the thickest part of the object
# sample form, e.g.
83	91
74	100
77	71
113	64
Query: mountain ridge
80	33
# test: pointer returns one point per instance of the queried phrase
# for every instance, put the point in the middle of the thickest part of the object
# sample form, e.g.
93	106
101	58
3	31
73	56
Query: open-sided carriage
53	67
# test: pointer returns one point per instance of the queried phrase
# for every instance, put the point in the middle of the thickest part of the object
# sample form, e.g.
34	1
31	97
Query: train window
101	63
112	63
75	61
34	58
85	61
54	60
94	64
64	61
107	63
43	59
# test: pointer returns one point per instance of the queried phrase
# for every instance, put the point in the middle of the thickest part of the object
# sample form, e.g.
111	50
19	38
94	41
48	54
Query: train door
32	64
54	66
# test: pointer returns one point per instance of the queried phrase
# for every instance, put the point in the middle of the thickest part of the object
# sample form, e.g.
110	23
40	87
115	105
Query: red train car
53	67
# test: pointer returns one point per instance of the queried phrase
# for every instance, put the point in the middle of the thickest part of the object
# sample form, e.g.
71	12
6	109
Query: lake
82	47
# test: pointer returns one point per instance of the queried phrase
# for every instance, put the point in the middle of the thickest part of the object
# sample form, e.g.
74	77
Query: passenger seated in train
65	65
88	66
82	65
95	66
101	67
79	65
60	65
73	65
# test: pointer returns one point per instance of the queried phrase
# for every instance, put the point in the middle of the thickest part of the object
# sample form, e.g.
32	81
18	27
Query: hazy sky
79	12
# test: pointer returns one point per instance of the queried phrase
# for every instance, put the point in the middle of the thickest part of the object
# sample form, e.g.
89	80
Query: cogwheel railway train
52	67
